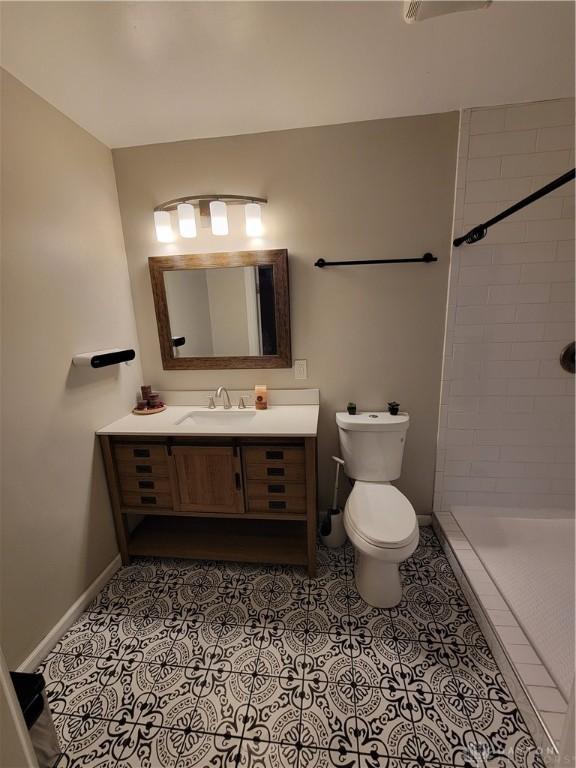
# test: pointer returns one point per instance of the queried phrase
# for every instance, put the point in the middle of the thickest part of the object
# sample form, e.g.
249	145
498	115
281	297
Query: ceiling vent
419	10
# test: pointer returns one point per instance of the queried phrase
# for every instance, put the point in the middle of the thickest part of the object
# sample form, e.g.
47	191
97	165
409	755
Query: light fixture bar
213	213
172	205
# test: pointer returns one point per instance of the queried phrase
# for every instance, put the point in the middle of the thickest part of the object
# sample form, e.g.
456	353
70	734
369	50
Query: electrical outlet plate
300	369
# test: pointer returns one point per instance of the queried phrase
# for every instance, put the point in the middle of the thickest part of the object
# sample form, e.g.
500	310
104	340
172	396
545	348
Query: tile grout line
255	673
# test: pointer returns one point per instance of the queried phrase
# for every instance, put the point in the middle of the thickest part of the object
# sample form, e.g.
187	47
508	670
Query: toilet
378	518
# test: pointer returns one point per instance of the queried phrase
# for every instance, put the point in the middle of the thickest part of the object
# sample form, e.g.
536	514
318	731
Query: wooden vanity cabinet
208	479
244	499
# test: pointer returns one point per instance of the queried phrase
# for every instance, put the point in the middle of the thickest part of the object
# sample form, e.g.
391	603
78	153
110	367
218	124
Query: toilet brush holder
337	535
332	530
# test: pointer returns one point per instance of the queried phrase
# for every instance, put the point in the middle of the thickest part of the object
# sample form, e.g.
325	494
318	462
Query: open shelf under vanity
246	540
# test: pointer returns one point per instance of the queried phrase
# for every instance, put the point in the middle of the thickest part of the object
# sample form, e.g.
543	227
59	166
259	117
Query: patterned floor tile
99	744
274	713
453	615
179	664
92	635
125	697
279	652
151	746
203	749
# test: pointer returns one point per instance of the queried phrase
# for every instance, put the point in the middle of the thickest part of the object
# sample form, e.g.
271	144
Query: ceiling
145	72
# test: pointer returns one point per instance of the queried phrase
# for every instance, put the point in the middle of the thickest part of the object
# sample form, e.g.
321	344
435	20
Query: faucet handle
211	403
241	403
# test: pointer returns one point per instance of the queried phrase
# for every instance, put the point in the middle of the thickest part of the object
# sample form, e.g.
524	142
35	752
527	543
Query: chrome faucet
223	393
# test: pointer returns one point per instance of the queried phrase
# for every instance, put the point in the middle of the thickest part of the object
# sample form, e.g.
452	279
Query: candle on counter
260	397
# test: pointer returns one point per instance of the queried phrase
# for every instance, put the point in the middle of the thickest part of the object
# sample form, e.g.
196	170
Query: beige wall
228	311
189	310
363	190
65	290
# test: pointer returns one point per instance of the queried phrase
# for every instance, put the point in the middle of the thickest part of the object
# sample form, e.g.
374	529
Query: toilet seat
381	515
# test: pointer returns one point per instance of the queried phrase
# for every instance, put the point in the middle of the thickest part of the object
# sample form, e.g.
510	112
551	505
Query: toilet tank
372	444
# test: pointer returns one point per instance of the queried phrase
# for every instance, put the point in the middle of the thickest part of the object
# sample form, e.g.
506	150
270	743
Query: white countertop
276	420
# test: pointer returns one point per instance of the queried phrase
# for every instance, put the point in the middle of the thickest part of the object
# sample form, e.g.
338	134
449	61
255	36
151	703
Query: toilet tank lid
381	514
373	421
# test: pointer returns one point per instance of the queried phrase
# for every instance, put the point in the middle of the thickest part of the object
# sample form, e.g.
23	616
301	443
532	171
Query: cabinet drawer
275	472
147	499
142	468
260	454
277	505
275	490
140	451
145	484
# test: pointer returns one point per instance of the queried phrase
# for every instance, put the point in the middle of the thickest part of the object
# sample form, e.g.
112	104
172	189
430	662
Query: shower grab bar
426	259
479	232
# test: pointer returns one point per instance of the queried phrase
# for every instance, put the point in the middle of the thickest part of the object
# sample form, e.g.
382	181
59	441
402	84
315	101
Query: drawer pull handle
237	480
275	471
146	485
148	499
141	453
276	489
276	505
274	454
143	469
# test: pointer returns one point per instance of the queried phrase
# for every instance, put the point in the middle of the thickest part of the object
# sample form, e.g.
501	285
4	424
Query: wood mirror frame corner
278	259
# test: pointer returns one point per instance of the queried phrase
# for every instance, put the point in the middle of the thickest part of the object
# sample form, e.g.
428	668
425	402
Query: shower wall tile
539	114
555	138
507	406
487	120
500	144
534	164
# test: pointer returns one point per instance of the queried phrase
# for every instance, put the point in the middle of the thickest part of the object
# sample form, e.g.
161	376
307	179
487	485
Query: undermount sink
218	417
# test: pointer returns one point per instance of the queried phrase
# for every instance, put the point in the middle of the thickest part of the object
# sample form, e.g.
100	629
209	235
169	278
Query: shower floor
531	559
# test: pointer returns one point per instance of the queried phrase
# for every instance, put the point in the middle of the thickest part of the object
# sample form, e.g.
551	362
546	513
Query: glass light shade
253	215
186	220
163	224
218	217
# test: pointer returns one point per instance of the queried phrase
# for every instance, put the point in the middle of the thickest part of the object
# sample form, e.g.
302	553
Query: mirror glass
222	311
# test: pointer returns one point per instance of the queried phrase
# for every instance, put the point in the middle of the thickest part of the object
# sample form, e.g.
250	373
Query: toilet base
378	582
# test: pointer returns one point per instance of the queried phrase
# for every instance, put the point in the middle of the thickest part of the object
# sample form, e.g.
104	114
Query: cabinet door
208	479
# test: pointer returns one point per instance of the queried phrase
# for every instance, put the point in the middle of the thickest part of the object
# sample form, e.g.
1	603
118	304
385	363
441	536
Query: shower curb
447	529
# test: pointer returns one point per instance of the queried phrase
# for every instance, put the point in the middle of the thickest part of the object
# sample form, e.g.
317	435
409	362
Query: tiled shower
504	490
506	418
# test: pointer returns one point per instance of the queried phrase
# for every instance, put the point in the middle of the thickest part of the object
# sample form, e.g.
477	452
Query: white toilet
379	520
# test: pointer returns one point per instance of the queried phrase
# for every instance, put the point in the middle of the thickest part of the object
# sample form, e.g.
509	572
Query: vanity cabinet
244	499
208	479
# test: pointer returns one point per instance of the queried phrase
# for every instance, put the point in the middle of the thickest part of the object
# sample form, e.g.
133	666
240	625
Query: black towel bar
426	259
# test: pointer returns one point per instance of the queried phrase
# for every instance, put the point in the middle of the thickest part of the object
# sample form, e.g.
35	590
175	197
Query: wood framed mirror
222	310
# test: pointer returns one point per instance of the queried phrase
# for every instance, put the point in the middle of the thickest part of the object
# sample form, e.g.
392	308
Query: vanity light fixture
186	220
213	213
163	224
253	216
218	217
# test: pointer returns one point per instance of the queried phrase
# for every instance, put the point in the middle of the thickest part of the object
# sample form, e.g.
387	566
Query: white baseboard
424	519
30	664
